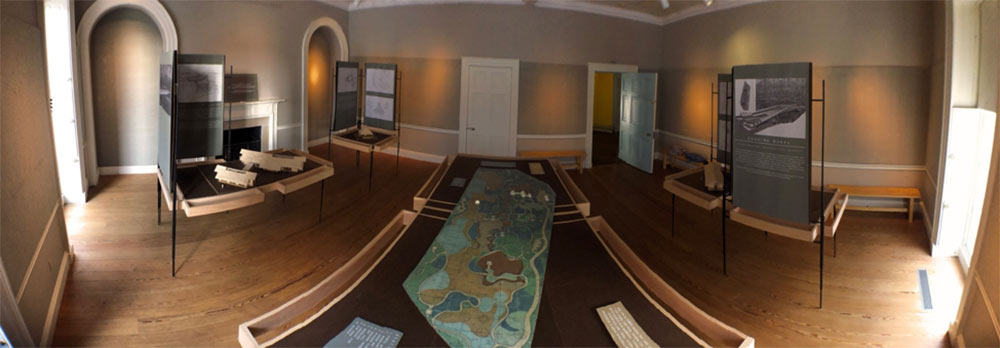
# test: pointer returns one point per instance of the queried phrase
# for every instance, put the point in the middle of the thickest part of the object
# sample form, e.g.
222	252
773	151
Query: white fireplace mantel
253	110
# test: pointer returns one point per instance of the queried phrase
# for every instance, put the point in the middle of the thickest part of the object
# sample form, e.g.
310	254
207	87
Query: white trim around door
463	119
593	68
338	31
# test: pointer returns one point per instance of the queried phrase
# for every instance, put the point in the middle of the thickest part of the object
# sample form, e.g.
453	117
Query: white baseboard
420	156
317	141
121	170
49	330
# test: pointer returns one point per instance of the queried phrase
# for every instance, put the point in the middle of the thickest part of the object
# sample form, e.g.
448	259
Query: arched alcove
168	35
341	38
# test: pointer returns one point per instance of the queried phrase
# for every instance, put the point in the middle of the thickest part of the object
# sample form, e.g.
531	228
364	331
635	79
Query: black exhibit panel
345	112
199	96
241	88
164	134
772	139
725	116
380	96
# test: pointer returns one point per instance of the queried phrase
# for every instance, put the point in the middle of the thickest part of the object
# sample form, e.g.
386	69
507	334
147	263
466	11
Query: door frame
463	113
593	68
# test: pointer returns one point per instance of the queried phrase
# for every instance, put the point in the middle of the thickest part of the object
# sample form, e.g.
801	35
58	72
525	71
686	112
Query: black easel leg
371	168
724	243
173	241
159	203
673	202
821	272
322	190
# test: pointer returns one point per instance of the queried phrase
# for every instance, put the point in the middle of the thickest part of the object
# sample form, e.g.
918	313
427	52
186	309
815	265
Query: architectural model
235	177
272	162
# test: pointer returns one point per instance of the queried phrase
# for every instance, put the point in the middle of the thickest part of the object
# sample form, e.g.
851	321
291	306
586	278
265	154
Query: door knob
470	128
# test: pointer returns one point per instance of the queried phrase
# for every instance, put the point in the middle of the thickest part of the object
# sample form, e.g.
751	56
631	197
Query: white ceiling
647	11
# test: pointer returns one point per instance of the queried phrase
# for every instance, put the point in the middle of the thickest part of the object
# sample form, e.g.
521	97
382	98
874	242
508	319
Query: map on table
480	281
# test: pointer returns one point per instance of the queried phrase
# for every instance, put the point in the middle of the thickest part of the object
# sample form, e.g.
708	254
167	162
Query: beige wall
928	191
32	226
259	37
874	56
553	46
125	60
319	86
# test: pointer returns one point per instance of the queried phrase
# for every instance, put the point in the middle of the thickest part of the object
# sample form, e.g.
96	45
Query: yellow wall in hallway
604	84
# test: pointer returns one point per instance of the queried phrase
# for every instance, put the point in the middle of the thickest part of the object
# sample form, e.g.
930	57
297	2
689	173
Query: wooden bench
577	154
909	193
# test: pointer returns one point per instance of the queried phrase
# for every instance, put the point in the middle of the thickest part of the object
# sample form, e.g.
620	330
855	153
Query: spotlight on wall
665	3
707	2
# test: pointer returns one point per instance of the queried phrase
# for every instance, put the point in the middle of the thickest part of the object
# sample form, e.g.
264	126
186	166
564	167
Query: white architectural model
272	162
235	177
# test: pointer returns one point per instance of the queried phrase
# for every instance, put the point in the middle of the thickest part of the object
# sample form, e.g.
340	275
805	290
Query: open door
638	120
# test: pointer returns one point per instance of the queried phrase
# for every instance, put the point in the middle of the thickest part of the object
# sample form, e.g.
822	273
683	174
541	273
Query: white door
638	120
65	131
966	170
489	107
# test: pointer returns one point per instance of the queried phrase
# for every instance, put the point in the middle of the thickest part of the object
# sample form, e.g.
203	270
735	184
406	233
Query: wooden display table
577	154
909	193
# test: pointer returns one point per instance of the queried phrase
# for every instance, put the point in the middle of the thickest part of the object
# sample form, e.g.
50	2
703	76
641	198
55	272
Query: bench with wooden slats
908	193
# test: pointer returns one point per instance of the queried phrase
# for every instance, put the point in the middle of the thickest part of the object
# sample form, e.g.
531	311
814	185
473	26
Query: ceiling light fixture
665	3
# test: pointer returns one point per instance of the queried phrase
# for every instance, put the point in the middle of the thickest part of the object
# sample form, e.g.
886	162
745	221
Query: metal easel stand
822	185
726	189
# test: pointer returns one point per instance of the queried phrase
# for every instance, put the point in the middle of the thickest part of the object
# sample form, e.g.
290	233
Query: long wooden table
588	266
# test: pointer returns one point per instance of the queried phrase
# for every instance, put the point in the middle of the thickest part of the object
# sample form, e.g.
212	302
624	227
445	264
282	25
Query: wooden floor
236	266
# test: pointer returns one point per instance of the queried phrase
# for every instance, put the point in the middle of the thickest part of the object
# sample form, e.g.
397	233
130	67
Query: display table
199	193
381	140
588	266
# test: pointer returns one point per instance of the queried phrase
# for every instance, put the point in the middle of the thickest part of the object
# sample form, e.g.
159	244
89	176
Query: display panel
200	81
771	139
380	95
164	116
241	88
346	102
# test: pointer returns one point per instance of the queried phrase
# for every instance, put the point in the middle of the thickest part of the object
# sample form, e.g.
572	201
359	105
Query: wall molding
17	333
126	170
49	330
168	33
429	129
38	250
610	11
567	5
552	136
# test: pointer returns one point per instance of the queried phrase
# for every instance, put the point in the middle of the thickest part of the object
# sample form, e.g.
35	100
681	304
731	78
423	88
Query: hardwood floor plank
235	266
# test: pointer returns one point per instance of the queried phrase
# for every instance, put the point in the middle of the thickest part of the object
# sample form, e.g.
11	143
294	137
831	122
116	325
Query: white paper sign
380	80
347	80
378	107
